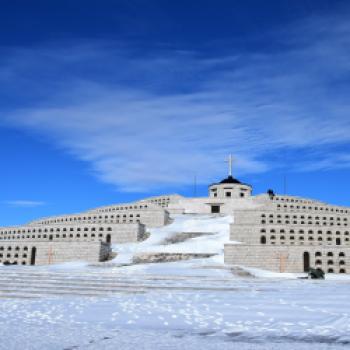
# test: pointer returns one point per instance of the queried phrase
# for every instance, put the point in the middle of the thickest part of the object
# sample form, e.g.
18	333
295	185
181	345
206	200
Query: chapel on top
230	187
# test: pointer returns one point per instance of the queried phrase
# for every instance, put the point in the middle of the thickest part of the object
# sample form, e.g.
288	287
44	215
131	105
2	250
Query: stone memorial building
274	232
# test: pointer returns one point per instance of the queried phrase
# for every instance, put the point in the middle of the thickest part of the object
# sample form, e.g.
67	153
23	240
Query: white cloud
144	123
24	203
327	161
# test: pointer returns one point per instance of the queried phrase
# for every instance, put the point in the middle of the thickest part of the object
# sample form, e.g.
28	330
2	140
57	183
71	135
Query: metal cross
229	161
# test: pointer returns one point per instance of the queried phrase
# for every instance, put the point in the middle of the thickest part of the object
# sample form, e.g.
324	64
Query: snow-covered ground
194	304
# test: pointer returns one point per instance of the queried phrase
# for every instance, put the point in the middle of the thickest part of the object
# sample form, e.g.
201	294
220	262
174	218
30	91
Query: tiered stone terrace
290	234
147	214
85	236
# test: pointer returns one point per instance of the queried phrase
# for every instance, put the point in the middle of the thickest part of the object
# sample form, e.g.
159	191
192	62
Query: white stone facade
291	234
331	259
147	214
46	253
278	233
72	237
109	233
230	190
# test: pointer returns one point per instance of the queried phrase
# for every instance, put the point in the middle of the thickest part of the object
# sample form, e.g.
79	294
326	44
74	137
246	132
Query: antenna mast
195	186
285	184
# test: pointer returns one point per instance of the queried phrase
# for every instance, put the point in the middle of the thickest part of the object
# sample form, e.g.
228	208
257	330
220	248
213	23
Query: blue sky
111	101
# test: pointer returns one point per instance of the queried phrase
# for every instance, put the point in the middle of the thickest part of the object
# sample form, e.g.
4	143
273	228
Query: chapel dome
230	180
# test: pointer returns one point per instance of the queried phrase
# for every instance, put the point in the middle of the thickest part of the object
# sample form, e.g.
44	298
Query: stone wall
163	201
230	191
112	233
277	234
70	237
295	204
203	205
290	235
44	253
288	258
151	217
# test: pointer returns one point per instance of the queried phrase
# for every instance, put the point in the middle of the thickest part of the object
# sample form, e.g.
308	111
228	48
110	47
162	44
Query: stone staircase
28	283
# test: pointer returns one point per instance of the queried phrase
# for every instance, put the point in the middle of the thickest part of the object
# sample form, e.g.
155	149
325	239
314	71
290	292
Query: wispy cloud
154	121
24	203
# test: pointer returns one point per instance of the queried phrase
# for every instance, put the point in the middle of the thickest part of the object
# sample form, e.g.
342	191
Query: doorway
337	241
215	209
306	262
32	257
108	238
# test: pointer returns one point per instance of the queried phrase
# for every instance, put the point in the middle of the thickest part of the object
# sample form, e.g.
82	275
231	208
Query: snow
217	227
292	313
194	304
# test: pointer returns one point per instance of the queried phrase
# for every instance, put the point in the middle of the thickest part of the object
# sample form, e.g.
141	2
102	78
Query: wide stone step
119	282
36	293
137	287
46	286
111	279
29	283
119	279
19	295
